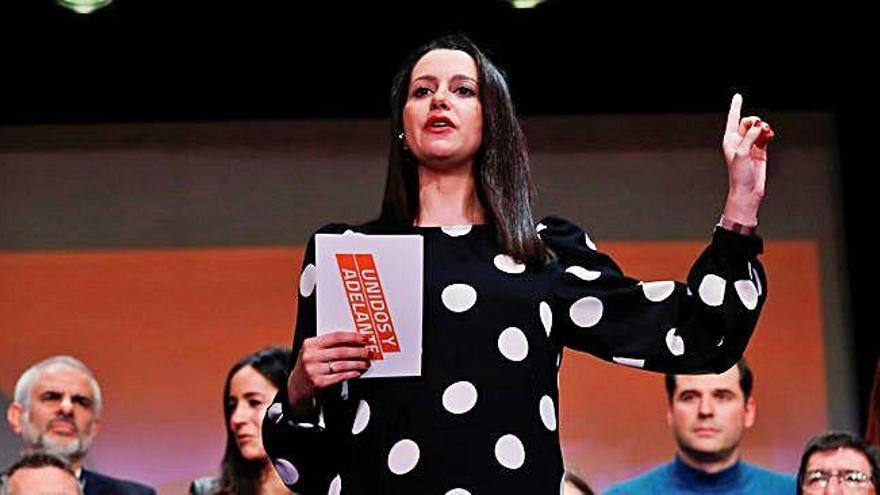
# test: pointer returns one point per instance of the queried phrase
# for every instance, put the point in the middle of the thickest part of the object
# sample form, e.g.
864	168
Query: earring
402	138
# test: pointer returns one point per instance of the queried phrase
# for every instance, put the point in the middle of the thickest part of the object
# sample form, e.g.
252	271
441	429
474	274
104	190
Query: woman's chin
444	159
252	453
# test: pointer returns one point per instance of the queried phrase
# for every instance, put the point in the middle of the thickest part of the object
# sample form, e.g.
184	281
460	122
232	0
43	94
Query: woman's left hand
745	151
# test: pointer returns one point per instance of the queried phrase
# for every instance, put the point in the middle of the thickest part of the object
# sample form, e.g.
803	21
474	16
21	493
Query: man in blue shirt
708	415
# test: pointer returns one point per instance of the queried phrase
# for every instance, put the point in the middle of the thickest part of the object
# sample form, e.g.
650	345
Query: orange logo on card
366	299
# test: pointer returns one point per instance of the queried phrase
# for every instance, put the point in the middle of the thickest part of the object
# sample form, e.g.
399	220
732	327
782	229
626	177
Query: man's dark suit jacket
99	484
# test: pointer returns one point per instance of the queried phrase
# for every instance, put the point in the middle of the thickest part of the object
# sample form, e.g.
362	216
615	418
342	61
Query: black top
482	418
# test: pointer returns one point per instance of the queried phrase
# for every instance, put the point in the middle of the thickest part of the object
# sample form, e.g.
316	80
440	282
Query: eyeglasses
849	479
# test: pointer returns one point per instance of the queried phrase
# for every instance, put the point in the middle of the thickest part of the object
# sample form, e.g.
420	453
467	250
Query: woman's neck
448	197
270	482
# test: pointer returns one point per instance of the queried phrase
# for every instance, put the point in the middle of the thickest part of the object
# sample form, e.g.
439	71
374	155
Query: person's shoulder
771	479
643	483
207	485
97	483
329	228
559	232
349	228
554	222
571	244
334	228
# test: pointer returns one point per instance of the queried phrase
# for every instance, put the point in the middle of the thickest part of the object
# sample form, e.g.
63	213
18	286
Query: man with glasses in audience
838	463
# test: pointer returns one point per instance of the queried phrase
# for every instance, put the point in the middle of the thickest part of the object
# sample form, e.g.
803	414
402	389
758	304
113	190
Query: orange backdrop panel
161	327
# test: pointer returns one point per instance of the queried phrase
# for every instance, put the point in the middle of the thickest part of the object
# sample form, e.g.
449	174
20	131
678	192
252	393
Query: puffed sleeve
667	326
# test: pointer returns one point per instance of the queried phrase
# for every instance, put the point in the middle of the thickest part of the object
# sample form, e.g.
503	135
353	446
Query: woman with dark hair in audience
502	296
250	386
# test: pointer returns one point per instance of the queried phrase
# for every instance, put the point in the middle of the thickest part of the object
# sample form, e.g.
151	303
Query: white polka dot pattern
307	280
675	343
509	452
757	279
456	230
459	298
403	457
747	293
635	363
460	397
287	471
582	302
513	344
546	315
507	264
586	312
582	273
658	291
712	290
548	412
589	242
361	417
273	414
335	486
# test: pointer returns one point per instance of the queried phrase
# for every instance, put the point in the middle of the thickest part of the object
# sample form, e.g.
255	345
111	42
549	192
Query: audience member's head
838	462
250	387
55	408
574	484
709	414
40	474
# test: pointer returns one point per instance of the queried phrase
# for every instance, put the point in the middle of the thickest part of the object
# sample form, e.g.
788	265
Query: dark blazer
99	484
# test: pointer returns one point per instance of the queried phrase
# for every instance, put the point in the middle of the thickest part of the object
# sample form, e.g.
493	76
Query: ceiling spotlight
525	4
84	6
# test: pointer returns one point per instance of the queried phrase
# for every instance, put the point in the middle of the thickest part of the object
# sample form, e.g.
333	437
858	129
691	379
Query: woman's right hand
745	151
323	361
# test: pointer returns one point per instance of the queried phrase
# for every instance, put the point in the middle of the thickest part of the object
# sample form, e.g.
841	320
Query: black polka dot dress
483	417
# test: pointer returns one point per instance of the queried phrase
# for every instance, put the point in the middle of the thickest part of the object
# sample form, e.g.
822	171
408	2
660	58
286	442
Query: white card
372	284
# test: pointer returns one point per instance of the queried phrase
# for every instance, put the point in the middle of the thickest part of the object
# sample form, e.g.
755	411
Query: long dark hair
239	476
872	432
501	167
